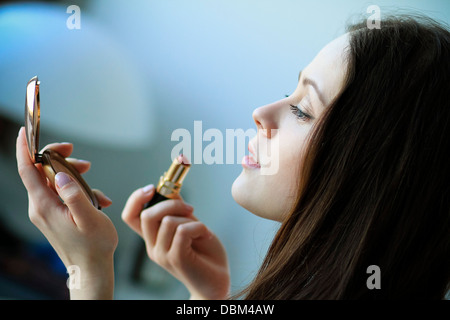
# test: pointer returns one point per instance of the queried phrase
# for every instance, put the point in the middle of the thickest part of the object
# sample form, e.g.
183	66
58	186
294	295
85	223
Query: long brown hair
375	186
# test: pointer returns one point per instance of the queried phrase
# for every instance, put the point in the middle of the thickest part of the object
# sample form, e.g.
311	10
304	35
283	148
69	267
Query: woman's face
268	183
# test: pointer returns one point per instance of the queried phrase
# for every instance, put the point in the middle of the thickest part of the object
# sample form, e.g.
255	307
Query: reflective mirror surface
51	161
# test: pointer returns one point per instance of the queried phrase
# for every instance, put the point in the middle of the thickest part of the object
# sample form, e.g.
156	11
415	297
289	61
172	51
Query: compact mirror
51	161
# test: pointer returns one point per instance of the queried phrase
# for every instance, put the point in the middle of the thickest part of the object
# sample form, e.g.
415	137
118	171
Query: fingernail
148	189
62	179
86	162
107	198
79	160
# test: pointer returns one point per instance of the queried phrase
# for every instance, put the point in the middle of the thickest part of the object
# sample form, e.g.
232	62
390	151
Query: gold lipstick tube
170	183
169	187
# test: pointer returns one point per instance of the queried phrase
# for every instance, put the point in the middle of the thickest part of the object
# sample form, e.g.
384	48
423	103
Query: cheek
271	196
291	155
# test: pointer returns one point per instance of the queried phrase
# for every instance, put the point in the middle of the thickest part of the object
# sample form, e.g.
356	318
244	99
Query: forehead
328	68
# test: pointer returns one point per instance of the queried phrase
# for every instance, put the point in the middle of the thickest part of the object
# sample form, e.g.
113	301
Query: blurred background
118	87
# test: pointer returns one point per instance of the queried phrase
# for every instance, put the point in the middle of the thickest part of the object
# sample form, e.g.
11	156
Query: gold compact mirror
51	161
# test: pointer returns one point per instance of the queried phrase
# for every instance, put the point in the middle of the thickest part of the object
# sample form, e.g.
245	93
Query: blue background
136	71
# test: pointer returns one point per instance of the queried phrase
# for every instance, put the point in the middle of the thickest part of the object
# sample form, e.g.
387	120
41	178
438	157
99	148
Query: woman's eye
299	113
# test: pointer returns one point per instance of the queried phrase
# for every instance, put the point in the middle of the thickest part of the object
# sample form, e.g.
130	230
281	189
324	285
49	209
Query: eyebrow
308	81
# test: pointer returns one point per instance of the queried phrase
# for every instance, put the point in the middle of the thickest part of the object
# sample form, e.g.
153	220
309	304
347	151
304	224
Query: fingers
64	149
151	218
41	192
82	166
174	243
74	198
160	224
186	234
166	232
32	178
103	200
134	205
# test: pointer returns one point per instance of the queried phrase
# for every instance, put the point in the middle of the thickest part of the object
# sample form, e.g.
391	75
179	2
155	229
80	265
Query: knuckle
168	221
74	196
34	217
135	197
37	217
147	215
182	231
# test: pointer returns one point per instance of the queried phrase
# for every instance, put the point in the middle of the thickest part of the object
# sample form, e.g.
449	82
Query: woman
363	181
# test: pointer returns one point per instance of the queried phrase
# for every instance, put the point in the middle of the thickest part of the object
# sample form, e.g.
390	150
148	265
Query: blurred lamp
90	88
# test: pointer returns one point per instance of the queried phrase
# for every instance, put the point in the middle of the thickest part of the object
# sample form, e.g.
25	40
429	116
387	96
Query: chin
252	199
237	191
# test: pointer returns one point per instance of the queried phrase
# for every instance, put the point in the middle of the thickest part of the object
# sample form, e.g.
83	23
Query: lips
251	161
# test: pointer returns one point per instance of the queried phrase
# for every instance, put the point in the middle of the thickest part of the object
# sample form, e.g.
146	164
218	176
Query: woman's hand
81	235
181	244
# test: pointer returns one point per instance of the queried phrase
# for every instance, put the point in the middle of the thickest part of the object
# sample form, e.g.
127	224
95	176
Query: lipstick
169	187
170	182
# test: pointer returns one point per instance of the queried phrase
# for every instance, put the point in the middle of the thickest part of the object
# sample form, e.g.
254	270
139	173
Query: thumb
73	195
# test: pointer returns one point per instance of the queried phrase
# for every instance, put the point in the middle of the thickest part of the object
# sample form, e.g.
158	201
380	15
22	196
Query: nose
268	117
